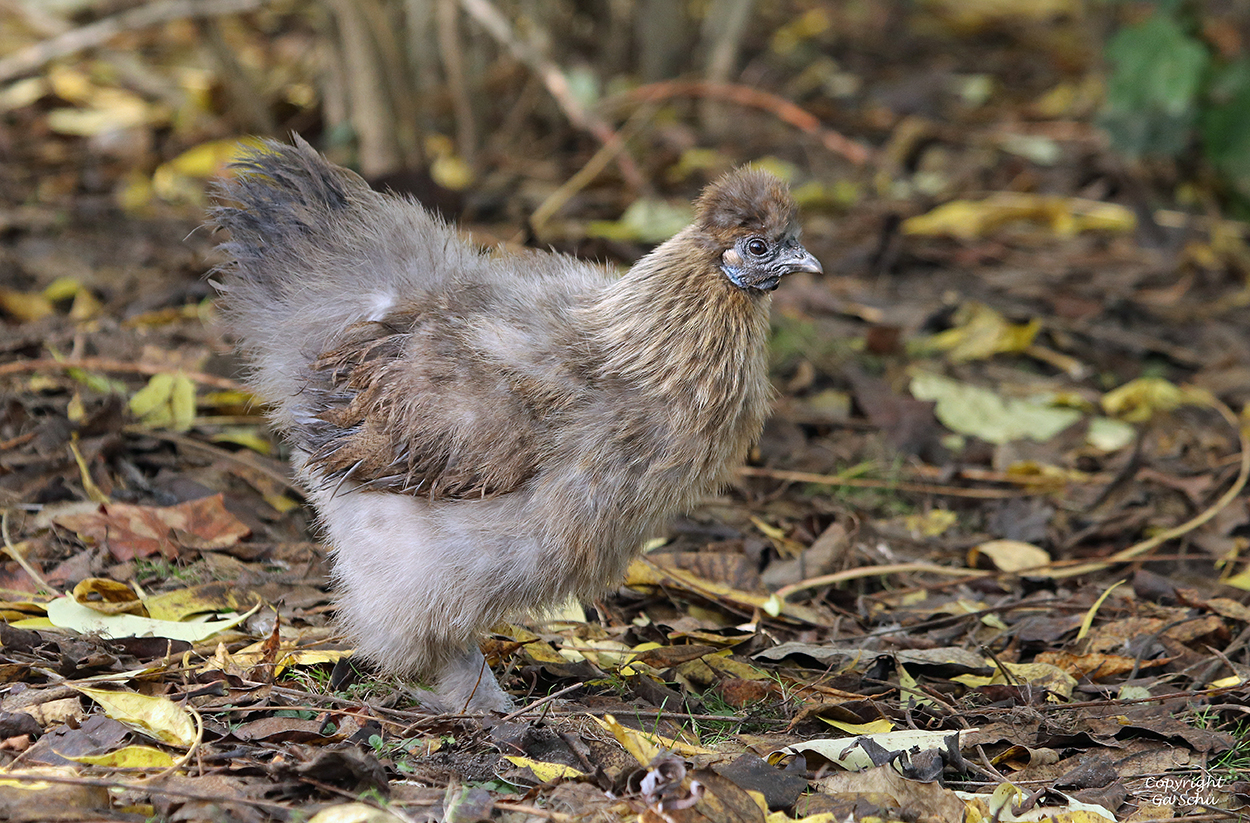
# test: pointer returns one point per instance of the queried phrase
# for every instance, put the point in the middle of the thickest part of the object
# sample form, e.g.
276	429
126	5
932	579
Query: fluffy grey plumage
483	435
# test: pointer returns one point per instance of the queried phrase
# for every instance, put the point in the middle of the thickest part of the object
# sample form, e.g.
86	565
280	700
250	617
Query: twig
869	483
94	492
218	452
451	51
534	811
98	33
105	364
540	702
783	109
557	83
247	103
20	556
37	776
192	750
369	108
1138	549
596	164
724	26
874	571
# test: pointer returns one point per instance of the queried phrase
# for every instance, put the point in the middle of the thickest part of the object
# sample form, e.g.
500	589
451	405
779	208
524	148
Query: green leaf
646	220
1157	71
1225	125
977	411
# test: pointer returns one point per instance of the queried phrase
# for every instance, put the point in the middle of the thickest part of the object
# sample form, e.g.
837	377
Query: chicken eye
757	247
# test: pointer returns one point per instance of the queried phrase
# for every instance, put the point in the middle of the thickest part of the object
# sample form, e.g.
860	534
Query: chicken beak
800	260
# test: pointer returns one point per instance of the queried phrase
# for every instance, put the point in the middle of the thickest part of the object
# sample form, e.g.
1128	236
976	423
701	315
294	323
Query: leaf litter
987	562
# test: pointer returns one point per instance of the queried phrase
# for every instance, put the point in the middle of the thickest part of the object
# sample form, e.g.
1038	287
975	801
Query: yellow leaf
33	623
66	613
76	411
182	402
799	30
27	797
875	727
969	409
1139	400
545	772
207	598
640	745
1241	580
152	396
71	85
127	757
25	307
1109	435
85	306
648	744
980	333
609	655
227	398
1064	216
62	288
644	574
1009	555
23	93
168	400
931	523
135	194
909	690
1041	675
535	648
109	110
84	473
157	717
182	179
785	546
451	172
249	437
210	159
288	656
281	503
107	596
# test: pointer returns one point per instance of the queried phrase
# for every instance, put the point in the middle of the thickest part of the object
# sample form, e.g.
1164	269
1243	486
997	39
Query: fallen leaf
1009	555
544	772
128	757
67	613
156	717
1062	216
982	413
130	531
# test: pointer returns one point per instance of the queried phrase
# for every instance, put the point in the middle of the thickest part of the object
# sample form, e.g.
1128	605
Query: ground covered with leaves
987	561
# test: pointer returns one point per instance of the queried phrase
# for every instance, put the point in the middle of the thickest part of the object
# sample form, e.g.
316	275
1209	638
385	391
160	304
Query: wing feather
408	404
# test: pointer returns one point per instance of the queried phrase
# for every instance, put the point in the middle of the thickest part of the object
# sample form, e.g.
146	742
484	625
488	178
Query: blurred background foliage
1178	87
436	96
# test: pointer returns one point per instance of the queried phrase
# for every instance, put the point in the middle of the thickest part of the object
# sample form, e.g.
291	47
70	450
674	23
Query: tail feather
285	196
312	251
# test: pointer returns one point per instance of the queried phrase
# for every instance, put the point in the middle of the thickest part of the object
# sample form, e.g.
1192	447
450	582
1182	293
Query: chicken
483	435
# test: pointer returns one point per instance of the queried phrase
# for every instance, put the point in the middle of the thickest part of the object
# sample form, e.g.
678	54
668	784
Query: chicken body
485	435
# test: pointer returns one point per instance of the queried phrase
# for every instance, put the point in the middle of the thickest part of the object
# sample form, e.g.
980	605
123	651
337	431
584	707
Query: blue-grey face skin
759	263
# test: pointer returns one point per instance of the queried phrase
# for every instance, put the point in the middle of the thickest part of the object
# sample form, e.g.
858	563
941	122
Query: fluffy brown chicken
483	435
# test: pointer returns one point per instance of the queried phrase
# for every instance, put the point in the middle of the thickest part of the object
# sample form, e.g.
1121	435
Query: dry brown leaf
129	531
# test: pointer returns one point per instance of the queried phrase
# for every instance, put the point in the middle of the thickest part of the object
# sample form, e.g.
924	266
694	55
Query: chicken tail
313	251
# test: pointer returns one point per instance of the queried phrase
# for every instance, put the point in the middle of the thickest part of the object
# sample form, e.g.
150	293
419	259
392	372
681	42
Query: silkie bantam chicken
486	435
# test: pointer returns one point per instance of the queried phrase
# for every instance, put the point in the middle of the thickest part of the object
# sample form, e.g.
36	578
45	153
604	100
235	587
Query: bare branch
33	58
